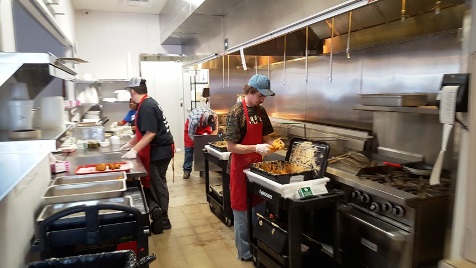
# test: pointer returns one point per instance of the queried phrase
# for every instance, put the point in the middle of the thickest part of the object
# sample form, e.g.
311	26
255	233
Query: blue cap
262	84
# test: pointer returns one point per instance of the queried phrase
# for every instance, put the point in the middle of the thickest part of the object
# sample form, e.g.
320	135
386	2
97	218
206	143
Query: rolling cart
218	197
286	235
63	234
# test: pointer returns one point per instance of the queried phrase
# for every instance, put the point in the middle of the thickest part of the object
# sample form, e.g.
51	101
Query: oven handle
398	236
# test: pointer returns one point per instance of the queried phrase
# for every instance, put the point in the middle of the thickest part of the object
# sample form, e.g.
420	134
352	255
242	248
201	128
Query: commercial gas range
390	218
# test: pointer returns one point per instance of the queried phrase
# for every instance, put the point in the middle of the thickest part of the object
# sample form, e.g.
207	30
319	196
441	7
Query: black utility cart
294	231
218	197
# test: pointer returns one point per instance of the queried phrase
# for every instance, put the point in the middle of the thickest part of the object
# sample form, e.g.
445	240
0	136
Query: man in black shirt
154	144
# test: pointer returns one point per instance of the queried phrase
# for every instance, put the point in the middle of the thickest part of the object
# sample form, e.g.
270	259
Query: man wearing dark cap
200	121
154	144
247	136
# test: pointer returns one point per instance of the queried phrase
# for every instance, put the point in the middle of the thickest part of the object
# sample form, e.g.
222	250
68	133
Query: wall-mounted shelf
418	110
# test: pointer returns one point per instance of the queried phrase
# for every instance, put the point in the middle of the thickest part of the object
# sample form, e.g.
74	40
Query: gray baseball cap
262	84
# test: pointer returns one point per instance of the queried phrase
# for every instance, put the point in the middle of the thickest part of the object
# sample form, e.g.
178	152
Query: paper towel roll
52	113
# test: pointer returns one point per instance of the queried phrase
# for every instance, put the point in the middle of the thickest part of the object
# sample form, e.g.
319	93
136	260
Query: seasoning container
115	140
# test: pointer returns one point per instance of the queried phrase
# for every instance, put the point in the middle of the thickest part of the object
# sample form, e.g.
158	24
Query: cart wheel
228	222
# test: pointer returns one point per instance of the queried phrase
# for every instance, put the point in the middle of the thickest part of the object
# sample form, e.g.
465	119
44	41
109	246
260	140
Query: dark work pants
159	191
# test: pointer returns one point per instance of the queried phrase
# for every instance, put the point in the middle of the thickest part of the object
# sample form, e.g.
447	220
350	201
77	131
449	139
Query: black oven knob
365	198
356	194
398	211
387	207
374	206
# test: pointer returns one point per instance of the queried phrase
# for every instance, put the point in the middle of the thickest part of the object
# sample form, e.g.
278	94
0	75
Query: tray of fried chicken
305	160
103	167
219	146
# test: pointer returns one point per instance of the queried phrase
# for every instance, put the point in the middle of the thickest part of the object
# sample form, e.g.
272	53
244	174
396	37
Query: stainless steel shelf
419	110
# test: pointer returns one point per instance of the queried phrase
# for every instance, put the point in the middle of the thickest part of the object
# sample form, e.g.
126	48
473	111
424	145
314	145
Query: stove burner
417	185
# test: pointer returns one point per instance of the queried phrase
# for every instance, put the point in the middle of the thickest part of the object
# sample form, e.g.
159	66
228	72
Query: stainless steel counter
15	166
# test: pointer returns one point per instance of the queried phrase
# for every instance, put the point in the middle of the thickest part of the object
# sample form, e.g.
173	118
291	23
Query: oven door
369	241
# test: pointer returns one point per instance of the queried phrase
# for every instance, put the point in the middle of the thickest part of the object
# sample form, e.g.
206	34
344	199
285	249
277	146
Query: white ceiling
193	26
127	6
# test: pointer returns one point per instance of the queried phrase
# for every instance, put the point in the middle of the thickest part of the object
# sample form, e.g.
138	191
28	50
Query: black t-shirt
150	117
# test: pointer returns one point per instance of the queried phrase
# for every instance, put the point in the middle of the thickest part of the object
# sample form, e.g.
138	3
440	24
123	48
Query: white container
52	113
20	114
285	190
19	91
115	140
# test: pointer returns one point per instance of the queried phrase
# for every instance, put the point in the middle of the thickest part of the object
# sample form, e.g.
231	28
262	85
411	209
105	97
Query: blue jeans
188	160
242	234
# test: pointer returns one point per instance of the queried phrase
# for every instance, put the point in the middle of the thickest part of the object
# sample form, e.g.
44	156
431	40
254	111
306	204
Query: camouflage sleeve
233	119
267	127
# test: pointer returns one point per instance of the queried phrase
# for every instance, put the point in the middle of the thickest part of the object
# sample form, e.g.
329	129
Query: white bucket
52	113
21	115
19	91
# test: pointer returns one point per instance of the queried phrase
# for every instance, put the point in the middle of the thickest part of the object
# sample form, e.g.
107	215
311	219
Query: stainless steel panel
223	93
409	132
110	176
199	144
84	191
55	208
331	101
410	67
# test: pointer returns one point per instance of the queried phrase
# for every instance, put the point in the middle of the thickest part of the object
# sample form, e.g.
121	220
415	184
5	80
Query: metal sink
110	176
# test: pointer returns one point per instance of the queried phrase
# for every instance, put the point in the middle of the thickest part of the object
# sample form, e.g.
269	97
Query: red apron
144	154
239	162
200	131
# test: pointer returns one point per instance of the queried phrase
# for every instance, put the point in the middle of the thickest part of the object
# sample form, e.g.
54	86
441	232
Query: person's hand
114	124
131	154
263	149
126	147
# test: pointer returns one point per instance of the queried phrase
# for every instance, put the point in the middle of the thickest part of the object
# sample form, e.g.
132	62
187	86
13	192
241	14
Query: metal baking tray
49	210
394	100
218	145
84	191
111	176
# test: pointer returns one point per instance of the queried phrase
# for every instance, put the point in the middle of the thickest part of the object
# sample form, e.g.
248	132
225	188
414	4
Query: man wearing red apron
200	121
247	135
154	144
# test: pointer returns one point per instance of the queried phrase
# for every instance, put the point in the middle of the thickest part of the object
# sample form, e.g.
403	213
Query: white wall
112	42
165	85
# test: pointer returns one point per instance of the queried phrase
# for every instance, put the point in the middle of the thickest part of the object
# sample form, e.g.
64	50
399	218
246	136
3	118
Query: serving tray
91	168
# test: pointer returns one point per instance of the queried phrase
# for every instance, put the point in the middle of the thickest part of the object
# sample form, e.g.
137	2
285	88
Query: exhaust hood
35	69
